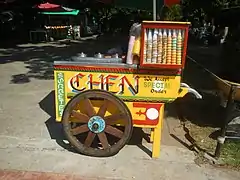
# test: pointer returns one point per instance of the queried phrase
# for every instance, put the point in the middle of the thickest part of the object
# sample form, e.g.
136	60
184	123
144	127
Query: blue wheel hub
96	124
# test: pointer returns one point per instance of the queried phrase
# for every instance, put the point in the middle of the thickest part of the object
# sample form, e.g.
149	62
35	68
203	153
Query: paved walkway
29	137
31	175
24	175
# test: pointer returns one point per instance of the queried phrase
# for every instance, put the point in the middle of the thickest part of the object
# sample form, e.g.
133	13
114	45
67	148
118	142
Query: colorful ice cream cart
100	100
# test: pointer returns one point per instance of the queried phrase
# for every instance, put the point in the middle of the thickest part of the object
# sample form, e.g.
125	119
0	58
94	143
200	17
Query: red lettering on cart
75	82
108	83
133	90
79	83
92	83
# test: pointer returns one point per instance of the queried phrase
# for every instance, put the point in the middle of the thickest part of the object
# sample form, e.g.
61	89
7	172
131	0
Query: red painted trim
149	123
147	106
185	47
170	3
165	26
152	71
163	66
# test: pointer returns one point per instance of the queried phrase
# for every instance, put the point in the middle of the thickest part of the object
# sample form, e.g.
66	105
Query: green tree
202	8
173	13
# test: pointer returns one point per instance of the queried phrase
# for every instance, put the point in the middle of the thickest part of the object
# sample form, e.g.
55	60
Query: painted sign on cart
60	93
127	86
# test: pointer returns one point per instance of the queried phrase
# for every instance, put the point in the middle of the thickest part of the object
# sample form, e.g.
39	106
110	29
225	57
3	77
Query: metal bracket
221	140
191	90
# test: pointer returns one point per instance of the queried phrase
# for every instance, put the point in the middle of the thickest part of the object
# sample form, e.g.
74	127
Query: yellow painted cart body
99	101
144	91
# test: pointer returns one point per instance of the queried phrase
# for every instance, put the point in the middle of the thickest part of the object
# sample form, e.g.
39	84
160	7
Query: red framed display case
172	38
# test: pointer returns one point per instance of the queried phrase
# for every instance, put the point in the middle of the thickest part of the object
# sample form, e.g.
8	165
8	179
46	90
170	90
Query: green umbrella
73	12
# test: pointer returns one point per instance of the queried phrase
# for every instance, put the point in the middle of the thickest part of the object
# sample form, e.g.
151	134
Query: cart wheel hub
96	124
95	127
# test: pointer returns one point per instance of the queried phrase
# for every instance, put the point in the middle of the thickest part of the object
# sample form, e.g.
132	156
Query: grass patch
230	153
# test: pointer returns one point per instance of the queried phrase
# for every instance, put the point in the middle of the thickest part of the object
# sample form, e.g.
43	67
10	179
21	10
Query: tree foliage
173	13
205	8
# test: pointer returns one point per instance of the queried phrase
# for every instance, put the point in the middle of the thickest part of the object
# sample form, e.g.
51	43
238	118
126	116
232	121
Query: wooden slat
112	119
79	117
80	129
89	107
103	108
114	131
103	139
89	140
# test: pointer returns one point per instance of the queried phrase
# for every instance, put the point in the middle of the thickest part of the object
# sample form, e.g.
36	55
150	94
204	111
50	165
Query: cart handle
191	90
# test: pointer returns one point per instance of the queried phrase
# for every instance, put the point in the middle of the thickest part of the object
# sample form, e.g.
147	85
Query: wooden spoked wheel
90	119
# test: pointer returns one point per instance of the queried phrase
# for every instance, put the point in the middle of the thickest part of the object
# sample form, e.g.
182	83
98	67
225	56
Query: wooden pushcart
99	101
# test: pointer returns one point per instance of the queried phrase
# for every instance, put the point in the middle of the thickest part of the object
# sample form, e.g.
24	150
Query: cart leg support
157	134
151	135
156	142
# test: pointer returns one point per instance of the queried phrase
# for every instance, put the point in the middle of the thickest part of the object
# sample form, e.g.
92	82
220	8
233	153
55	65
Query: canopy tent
142	4
47	6
55	9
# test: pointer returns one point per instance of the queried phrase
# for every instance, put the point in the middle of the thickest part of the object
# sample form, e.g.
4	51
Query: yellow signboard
129	87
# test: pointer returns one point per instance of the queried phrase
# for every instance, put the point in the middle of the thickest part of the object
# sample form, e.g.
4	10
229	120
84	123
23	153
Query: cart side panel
126	86
60	93
129	86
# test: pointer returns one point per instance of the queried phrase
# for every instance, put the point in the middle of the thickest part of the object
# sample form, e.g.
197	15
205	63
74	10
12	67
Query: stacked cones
163	46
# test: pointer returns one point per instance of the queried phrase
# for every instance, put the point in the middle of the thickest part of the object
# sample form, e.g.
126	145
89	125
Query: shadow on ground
38	58
206	112
205	115
202	119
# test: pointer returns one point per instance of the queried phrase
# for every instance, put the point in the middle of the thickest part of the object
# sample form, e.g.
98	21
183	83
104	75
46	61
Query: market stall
58	23
100	99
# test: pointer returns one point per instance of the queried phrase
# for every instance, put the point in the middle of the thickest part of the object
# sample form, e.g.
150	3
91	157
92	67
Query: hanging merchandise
160	46
149	46
145	46
169	47
174	47
179	47
154	46
164	43
164	55
136	47
130	50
